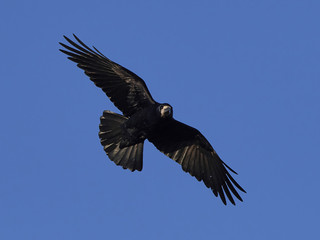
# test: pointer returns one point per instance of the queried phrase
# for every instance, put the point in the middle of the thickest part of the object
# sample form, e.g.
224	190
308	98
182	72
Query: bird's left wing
188	147
125	89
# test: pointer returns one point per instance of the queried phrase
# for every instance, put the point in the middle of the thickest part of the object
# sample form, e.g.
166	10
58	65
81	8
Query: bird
123	136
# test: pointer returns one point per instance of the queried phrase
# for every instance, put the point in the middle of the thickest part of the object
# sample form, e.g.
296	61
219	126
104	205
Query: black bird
122	136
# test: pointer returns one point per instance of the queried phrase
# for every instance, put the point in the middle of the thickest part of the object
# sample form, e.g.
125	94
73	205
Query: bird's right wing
125	89
188	147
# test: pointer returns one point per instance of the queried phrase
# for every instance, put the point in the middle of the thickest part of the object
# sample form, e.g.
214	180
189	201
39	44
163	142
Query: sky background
245	73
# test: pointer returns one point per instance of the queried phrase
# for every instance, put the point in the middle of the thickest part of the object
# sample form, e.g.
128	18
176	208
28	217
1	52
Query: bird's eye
161	106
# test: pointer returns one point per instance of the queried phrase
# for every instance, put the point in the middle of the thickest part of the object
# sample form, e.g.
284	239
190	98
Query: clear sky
245	73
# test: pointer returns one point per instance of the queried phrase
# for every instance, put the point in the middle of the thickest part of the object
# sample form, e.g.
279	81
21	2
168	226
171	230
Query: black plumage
122	136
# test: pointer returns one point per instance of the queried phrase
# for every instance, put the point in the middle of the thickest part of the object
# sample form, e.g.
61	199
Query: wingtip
62	44
75	36
232	202
241	189
229	168
68	39
223	198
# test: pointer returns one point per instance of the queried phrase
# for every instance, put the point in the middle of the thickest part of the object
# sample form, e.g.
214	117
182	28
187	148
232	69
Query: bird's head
165	110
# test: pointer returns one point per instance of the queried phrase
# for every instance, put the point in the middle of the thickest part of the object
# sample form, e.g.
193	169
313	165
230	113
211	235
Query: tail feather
110	137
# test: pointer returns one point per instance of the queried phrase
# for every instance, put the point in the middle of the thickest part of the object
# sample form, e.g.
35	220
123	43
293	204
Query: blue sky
245	73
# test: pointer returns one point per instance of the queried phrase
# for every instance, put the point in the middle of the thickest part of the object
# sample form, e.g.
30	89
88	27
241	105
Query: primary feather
125	89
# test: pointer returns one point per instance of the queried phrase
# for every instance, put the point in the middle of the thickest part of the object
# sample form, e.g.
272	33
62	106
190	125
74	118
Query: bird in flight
123	136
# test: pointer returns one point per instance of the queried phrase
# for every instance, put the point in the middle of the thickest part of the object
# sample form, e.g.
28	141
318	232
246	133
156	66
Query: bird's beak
166	111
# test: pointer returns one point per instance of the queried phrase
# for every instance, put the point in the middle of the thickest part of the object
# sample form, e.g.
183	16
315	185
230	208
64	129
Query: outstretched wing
188	147
125	89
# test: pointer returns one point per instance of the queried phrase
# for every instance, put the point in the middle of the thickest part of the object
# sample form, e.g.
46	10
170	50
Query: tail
110	137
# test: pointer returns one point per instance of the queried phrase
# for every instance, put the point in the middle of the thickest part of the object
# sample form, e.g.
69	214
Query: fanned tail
110	137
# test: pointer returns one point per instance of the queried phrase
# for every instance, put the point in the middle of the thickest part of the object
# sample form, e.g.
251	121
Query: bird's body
141	125
123	136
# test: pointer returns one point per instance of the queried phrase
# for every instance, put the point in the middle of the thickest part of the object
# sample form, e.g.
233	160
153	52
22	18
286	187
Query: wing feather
188	147
125	89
